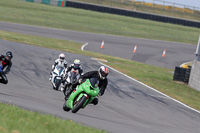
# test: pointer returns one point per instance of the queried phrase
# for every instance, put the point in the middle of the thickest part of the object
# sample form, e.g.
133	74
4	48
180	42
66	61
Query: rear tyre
79	104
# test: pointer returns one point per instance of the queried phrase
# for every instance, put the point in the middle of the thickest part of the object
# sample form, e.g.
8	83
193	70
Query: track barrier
182	74
131	13
61	3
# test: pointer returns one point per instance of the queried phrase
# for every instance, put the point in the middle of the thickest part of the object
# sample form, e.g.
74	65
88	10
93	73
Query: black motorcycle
72	78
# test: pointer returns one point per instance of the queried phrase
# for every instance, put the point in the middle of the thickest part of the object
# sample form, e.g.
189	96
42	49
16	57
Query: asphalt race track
148	51
126	107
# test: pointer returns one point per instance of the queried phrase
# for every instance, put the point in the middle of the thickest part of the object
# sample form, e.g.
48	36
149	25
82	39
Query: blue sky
195	3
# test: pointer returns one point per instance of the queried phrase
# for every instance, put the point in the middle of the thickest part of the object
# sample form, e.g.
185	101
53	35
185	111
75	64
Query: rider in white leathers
61	62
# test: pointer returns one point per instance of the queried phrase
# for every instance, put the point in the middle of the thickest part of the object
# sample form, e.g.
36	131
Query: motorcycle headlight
55	73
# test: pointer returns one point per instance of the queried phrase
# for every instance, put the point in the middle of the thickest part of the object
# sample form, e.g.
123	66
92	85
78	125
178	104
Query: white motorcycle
57	77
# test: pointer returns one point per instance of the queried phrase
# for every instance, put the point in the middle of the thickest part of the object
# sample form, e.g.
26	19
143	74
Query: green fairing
82	89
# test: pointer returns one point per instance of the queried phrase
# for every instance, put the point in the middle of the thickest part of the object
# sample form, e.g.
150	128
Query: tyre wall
130	13
182	74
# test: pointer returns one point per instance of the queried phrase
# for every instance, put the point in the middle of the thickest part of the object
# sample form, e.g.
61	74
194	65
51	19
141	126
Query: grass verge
95	22
156	77
15	120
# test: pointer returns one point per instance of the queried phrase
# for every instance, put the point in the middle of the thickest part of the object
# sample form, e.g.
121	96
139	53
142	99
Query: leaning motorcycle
82	95
57	77
72	78
2	73
1	66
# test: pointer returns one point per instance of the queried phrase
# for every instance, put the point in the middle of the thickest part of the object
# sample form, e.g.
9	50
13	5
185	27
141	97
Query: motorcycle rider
5	63
101	75
76	66
60	61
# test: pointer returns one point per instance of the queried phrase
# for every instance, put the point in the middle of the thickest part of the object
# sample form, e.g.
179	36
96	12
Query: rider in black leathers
6	63
76	66
101	75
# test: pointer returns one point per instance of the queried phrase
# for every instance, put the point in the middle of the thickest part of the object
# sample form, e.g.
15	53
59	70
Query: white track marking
151	88
82	48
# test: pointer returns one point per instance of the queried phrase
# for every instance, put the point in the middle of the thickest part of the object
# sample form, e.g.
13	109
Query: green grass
88	21
156	77
162	80
130	6
15	120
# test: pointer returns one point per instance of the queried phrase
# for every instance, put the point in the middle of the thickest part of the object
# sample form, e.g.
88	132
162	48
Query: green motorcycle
82	96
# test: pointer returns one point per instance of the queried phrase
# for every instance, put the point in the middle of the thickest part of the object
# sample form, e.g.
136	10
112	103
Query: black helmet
9	55
103	72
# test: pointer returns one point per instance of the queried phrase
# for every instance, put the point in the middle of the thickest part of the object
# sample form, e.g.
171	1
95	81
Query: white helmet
103	72
62	57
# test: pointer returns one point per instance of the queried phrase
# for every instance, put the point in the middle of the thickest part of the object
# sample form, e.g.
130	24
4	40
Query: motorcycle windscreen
60	69
74	77
94	82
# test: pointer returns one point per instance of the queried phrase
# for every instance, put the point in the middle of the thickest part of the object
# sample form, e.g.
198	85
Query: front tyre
65	108
79	104
58	82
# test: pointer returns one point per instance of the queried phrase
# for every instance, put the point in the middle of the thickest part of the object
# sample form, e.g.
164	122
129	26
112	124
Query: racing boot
68	92
62	86
95	101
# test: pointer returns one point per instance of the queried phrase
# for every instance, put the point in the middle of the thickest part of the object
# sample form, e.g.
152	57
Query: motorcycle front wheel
58	82
65	108
79	104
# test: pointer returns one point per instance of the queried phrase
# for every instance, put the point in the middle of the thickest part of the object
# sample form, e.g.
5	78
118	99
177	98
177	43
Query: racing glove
80	81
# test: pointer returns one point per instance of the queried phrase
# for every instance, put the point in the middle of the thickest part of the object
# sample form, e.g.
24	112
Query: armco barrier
194	81
45	1
130	13
61	3
50	2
